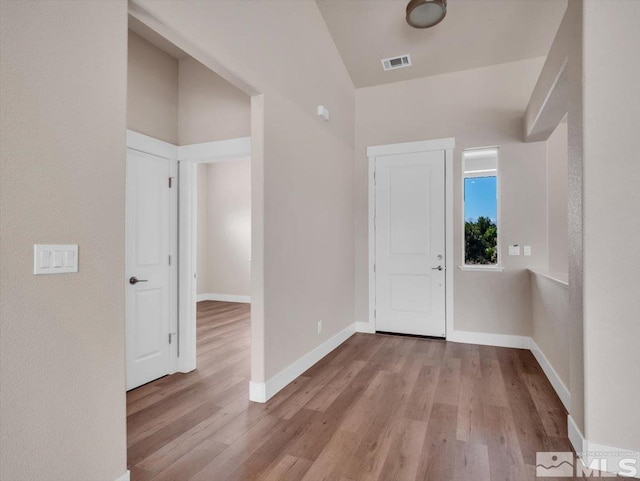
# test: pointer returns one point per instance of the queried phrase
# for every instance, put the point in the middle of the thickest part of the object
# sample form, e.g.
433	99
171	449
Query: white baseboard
601	457
561	390
125	477
223	298
262	392
366	327
609	459
487	339
576	438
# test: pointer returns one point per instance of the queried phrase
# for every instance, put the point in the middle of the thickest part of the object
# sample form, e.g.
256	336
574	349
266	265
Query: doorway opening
188	202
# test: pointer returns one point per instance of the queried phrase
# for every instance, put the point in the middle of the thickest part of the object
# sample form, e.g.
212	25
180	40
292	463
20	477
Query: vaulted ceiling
475	33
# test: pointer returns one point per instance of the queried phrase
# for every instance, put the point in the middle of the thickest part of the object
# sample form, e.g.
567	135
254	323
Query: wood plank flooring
377	408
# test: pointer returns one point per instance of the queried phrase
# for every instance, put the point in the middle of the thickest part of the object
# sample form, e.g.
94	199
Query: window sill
481	268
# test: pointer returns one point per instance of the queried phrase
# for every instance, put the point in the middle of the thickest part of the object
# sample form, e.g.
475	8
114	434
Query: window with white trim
481	212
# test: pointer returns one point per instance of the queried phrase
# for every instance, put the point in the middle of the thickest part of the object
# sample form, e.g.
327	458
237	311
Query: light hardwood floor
377	408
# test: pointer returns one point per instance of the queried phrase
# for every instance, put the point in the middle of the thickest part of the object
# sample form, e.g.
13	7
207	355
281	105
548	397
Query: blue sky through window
480	198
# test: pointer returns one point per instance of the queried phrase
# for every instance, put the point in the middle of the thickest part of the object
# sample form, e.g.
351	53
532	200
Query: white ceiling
475	33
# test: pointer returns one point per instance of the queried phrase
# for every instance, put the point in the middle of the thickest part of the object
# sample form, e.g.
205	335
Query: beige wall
210	107
550	322
152	90
611	222
181	101
557	185
302	218
478	107
62	401
226	220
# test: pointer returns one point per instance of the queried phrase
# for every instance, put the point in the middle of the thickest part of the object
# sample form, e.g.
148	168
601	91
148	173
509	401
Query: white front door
151	294
410	243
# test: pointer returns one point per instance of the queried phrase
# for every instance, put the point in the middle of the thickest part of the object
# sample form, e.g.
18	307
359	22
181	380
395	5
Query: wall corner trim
125	477
561	389
223	298
366	327
263	391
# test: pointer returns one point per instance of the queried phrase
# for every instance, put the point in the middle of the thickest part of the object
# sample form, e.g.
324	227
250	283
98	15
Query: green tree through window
480	241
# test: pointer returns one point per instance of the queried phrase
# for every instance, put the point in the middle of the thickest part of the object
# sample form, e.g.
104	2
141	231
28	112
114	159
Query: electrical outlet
319	327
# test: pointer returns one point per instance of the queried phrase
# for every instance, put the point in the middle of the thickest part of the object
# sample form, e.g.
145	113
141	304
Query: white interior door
151	294
410	256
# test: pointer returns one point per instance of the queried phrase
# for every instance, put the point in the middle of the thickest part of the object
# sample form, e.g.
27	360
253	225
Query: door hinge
169	338
170	182
374	268
169	259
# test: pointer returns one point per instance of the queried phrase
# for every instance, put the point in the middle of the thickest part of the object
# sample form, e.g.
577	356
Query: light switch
514	250
55	259
527	250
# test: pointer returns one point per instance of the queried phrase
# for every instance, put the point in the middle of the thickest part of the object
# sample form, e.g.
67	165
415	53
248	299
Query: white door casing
410	236
151	258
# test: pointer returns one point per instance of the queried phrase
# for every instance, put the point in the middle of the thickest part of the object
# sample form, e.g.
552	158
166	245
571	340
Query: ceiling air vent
393	63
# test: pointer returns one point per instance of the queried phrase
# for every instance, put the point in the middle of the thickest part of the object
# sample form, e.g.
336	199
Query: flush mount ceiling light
426	13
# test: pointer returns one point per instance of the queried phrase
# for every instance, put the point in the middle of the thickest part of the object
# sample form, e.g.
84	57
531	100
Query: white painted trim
449	239
411	147
488	339
151	145
258	392
499	266
262	392
447	145
223	298
187	266
612	455
366	327
576	438
125	477
561	389
481	269
239	148
588	451
372	243
558	278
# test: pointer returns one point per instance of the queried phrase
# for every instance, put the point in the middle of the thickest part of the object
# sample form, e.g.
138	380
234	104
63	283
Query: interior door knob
134	280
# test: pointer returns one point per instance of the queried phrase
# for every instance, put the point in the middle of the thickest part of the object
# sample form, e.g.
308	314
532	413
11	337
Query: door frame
189	156
184	224
447	145
155	147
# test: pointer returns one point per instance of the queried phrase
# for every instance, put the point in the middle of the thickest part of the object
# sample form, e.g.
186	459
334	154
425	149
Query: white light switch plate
527	250
514	250
55	259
